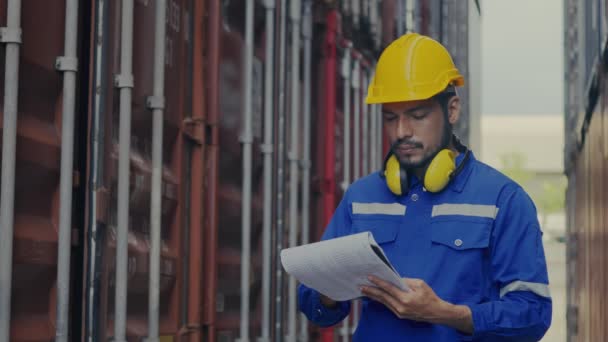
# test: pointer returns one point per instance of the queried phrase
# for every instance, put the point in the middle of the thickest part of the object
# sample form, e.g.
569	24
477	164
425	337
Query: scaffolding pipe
357	117
124	81
267	149
156	103
346	84
11	36
246	139
280	173
293	159
307	37
68	64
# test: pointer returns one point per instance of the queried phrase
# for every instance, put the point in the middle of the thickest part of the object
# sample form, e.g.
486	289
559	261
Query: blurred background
158	154
522	122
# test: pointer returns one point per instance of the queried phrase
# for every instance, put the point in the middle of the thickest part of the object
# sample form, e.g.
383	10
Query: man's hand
419	304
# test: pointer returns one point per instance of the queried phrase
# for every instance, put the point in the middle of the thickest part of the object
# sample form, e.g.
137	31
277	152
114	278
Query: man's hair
444	98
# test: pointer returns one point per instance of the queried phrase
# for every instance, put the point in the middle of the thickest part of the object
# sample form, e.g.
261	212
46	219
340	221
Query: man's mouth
407	148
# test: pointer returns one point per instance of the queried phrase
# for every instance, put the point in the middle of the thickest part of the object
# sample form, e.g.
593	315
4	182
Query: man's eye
390	118
420	115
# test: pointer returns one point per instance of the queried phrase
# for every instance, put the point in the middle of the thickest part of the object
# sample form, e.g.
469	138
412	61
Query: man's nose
404	127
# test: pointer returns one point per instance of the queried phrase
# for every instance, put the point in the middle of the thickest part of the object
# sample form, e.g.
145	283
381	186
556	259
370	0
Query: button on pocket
461	234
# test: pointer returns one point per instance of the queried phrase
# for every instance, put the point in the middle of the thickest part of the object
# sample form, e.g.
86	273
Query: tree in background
513	165
549	198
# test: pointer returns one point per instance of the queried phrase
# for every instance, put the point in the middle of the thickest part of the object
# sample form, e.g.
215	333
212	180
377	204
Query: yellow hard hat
413	67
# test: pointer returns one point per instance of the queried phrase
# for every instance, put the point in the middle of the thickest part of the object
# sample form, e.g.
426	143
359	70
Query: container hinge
269	4
189	329
63	63
10	35
292	156
305	164
155	102
123	81
246	138
266	148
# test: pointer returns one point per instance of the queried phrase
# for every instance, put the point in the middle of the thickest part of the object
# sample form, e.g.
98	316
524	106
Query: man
469	244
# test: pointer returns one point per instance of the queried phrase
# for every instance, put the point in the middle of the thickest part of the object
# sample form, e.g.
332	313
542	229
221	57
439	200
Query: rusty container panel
588	236
179	142
38	155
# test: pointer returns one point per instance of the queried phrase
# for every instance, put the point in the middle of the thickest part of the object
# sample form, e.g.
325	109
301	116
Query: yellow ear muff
438	173
392	173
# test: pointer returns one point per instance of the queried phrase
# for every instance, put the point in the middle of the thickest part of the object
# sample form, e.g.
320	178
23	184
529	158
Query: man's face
418	129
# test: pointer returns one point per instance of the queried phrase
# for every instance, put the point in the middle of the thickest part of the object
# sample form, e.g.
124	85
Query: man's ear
453	109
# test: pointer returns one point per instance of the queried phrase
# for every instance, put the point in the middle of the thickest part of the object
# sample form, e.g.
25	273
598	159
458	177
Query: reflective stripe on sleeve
518	285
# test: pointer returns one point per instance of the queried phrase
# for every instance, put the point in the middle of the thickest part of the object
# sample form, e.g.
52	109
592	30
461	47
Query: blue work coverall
477	243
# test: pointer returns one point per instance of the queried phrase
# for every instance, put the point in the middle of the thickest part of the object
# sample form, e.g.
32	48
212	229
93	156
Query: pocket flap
461	235
383	230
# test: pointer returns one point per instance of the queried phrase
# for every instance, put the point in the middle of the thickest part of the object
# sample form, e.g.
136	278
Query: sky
522	57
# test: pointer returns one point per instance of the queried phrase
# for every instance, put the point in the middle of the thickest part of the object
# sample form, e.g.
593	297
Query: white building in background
540	140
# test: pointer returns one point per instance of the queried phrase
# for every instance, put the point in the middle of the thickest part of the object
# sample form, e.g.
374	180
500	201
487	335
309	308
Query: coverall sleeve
309	299
519	274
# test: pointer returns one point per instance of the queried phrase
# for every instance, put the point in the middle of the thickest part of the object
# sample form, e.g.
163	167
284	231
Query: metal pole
372	138
96	134
246	139
156	104
280	173
356	12
69	65
346	75
307	37
124	81
213	29
400	17
374	151
267	151
295	14
365	129
356	84
379	151
11	36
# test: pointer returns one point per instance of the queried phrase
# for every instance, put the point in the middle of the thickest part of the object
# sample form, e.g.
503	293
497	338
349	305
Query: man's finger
413	283
383	297
386	286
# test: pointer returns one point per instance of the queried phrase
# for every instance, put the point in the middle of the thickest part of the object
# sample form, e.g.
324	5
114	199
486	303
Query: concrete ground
555	253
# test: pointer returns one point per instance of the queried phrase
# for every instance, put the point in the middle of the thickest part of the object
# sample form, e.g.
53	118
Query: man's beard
428	157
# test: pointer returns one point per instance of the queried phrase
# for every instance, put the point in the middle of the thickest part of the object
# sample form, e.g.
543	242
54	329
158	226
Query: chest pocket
384	230
460	250
461	234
